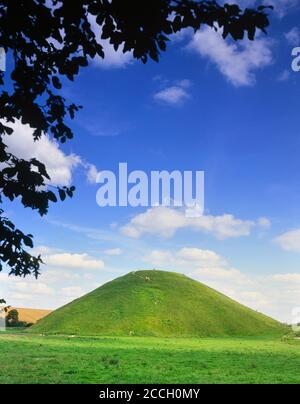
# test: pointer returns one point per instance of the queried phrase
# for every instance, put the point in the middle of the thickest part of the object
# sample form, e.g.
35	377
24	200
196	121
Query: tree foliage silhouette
12	318
46	41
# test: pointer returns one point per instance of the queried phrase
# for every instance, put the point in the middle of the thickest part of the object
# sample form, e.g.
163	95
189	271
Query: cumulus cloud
64	276
39	288
166	222
113	252
172	95
44	250
72	292
159	258
289	241
237	61
53	288
92	173
293	36
204	265
68	260
264	222
175	94
51	276
290	277
284	75
191	258
198	256
185	257
20	292
60	166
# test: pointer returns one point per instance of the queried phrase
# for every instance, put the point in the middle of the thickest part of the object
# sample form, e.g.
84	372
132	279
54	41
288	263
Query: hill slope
156	303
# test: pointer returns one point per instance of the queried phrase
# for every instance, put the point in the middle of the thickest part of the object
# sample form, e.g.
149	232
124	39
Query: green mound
157	303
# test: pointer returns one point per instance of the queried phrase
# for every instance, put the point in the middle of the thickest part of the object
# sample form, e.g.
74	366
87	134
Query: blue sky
228	109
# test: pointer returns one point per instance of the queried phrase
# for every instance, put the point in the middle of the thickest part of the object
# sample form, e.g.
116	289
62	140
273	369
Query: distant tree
12	318
54	39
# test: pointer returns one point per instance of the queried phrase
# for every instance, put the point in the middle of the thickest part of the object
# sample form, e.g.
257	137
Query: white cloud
218	274
92	173
184	83
59	165
197	256
38	288
292	277
293	36
56	285
191	258
72	291
43	249
159	258
237	61
284	75
166	222
162	221
113	251
52	289
204	265
185	257
289	241
23	297
182	35
68	260
264	223
173	95
52	276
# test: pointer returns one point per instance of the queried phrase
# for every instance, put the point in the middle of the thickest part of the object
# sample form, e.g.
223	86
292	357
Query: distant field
31	315
36	359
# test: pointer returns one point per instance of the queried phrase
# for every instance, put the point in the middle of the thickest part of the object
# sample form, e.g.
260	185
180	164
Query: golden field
30	315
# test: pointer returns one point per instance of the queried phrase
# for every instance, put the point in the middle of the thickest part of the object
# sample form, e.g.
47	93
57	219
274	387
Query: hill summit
157	303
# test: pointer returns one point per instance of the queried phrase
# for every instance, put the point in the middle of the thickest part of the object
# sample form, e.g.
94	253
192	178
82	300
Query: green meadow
58	359
151	327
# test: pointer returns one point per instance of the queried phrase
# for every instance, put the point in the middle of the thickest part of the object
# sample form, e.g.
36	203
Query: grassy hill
157	303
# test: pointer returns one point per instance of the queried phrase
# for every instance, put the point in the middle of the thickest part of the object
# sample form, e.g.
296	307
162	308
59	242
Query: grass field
146	314
36	359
